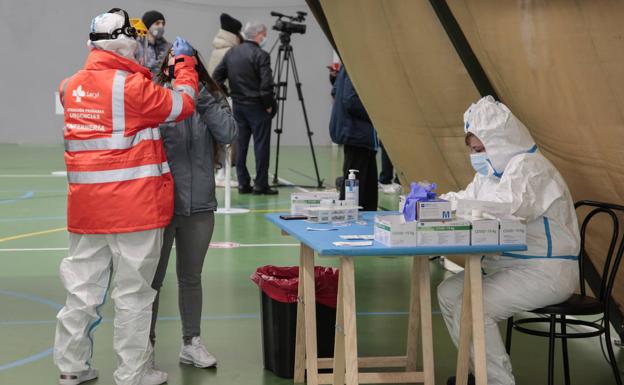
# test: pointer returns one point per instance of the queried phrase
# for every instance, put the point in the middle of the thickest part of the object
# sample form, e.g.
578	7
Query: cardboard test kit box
299	202
448	233
392	230
512	232
484	232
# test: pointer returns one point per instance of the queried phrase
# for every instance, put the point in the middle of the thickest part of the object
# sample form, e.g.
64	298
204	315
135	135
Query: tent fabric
557	64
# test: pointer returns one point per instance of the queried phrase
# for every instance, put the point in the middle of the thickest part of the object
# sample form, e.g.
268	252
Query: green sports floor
33	242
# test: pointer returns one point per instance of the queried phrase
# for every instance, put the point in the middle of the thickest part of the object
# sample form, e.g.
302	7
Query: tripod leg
281	87
291	56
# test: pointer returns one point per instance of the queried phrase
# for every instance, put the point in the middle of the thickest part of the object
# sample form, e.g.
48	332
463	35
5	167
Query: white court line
291	184
268	245
240	245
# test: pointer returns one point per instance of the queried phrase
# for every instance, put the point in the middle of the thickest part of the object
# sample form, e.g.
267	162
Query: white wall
45	41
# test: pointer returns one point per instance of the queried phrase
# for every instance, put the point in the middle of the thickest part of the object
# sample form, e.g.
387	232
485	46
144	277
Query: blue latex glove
182	47
418	193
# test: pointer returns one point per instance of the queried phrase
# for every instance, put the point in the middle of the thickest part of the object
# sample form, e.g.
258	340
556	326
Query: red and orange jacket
119	179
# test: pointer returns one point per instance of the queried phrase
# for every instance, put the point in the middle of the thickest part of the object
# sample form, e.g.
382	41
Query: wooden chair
580	304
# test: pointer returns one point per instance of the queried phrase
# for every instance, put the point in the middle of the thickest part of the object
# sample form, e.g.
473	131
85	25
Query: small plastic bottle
352	188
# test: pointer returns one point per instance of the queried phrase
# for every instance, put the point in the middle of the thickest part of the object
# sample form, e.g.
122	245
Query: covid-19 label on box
392	230
512	232
448	233
484	232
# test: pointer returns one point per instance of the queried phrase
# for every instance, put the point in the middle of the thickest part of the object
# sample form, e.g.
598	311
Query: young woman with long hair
189	146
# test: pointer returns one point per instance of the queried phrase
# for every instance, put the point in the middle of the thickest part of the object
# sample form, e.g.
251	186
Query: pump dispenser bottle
352	188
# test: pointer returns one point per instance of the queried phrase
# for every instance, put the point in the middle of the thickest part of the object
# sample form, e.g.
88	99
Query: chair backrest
613	255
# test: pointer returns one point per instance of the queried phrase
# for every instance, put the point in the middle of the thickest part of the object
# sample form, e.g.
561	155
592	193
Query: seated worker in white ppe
510	169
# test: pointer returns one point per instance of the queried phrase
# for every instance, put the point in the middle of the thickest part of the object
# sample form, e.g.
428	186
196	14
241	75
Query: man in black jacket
247	67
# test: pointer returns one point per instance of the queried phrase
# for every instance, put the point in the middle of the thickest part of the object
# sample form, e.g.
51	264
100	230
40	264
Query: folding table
346	363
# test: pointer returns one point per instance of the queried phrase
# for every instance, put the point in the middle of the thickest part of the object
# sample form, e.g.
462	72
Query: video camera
293	26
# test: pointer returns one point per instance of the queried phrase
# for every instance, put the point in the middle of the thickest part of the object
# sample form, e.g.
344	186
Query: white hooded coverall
545	274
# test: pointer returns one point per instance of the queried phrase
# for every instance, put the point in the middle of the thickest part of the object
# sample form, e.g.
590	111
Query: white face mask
480	163
263	41
157	32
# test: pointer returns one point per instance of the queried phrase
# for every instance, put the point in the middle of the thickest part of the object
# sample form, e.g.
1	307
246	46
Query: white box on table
433	210
443	233
301	201
341	211
512	232
392	230
484	232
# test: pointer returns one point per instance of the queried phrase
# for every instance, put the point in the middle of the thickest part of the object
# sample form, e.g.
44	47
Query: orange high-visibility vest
119	179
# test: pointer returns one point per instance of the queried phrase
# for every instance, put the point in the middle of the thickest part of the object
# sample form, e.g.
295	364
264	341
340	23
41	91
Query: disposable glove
182	47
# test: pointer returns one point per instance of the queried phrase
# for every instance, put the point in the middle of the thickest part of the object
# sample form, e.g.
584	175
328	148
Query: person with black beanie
157	45
228	36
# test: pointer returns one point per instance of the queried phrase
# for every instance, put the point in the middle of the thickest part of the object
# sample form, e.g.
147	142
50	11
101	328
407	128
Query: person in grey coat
189	146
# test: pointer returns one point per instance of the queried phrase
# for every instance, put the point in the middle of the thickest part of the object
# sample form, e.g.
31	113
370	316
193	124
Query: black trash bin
278	295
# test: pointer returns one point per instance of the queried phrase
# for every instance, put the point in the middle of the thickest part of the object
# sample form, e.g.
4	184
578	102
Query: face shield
141	31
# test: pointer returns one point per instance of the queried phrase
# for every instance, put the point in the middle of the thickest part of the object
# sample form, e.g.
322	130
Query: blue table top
322	241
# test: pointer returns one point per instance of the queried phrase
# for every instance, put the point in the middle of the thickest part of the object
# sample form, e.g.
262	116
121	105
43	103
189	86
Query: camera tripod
283	64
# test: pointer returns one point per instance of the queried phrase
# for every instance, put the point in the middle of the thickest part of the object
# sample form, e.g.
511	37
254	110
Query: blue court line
58	306
34	298
24	196
27	360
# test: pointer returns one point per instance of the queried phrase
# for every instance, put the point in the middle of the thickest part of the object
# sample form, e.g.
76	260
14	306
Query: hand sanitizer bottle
352	188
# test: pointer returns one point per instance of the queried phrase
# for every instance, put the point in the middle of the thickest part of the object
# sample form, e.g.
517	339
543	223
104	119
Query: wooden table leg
478	319
465	332
309	307
339	341
300	346
426	322
414	319
347	272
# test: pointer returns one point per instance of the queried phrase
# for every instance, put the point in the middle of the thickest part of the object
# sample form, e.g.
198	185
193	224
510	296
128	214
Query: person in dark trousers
189	146
247	67
351	126
388	180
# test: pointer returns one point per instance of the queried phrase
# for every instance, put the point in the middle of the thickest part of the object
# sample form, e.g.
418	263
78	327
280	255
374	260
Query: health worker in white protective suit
510	169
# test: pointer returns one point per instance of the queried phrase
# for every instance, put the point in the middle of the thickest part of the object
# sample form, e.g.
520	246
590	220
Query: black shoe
245	189
265	191
471	380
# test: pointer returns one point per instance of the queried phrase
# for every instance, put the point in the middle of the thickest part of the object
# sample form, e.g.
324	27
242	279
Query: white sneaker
196	354
78	378
154	377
